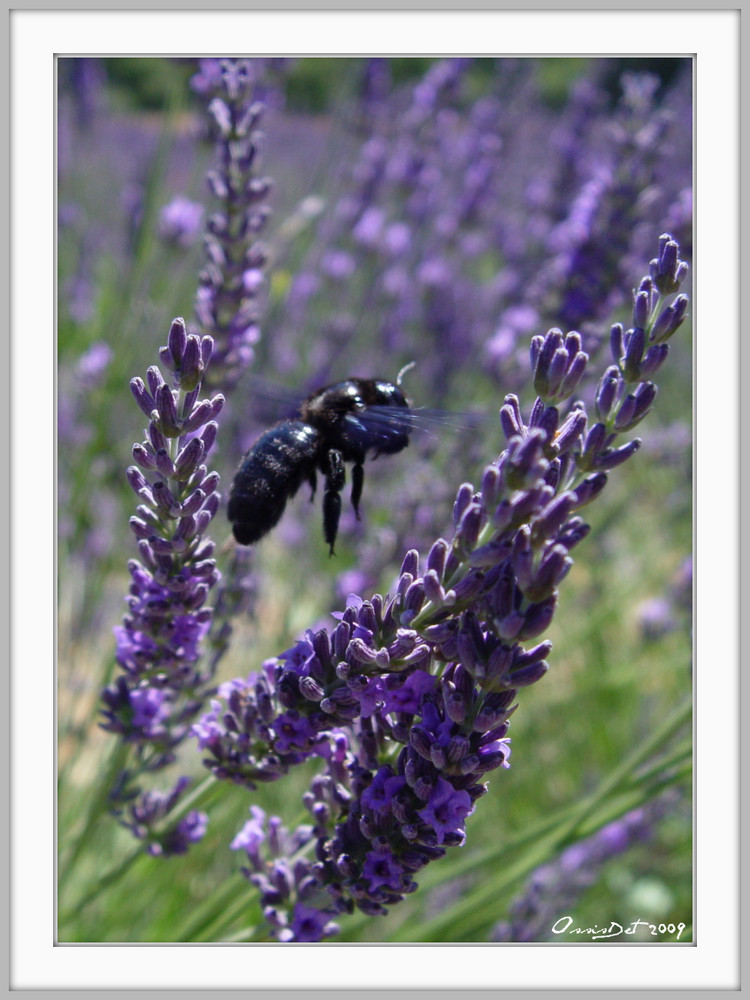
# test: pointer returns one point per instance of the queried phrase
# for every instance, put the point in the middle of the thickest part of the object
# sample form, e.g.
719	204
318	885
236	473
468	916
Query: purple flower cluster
230	284
146	821
153	702
407	699
586	212
282	875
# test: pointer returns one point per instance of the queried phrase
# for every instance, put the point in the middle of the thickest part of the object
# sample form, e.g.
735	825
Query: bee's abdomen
270	474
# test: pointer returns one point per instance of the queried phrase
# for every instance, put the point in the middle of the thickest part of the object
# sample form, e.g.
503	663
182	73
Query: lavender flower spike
554	888
153	702
230	283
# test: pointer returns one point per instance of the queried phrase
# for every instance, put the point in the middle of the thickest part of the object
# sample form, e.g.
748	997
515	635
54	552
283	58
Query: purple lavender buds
558	364
146	820
231	282
159	644
667	270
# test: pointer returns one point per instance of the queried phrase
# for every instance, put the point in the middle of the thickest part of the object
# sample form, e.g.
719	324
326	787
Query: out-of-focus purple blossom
616	166
79	292
236	594
93	364
88	372
655	617
146	820
132	200
69	215
209	77
266	75
517	323
660	615
180	222
375	86
555	887
682	585
231	283
82	83
353	581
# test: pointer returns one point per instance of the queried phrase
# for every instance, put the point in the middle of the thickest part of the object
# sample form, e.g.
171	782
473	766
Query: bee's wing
421	419
269	402
387	428
433	421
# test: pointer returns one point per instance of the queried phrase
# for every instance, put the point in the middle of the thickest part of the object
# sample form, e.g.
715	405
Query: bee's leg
358	478
335	479
313	481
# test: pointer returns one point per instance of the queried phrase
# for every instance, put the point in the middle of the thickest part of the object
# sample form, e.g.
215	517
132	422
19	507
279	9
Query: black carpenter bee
337	424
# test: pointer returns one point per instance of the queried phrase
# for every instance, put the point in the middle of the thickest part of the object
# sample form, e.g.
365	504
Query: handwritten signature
565	925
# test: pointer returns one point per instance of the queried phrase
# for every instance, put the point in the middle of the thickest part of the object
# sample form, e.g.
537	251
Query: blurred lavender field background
439	212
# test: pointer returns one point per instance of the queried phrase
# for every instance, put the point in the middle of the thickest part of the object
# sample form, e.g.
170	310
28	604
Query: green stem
618	777
106	880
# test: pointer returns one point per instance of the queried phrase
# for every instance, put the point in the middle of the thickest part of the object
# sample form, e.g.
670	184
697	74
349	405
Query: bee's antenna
404	370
